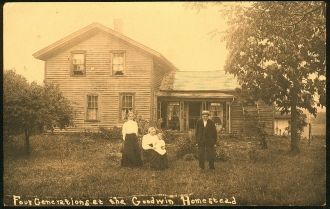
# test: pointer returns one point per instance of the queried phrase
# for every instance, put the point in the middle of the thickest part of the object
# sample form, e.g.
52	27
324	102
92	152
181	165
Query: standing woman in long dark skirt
131	153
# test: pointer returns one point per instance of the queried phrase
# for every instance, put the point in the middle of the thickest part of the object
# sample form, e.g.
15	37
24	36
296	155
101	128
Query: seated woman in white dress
154	150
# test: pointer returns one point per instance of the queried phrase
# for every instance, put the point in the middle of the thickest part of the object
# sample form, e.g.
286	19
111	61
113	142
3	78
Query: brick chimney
118	25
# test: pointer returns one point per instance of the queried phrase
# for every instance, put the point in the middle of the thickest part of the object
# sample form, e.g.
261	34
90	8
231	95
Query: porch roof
199	95
199	81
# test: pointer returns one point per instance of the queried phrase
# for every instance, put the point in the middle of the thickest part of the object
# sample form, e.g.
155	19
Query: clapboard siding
238	121
99	80
159	73
236	116
157	76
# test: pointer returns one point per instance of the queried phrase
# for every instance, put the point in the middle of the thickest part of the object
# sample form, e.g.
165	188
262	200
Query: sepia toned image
164	103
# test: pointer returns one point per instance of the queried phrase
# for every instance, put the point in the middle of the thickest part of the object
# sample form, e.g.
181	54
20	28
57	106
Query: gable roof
43	53
199	81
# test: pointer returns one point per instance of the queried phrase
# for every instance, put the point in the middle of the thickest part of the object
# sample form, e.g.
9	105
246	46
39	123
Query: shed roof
199	81
44	53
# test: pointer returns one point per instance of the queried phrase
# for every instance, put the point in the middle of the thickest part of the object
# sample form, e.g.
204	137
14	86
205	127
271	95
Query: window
205	106
127	104
216	112
78	63
92	107
118	63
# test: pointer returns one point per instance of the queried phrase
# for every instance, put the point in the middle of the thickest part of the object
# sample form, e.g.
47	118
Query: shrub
185	145
169	136
256	128
110	133
221	154
144	124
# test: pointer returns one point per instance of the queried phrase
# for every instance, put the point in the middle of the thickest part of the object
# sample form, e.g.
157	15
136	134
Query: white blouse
129	127
148	140
153	142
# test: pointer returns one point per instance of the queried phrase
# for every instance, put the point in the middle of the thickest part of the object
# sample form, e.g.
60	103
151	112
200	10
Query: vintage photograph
164	103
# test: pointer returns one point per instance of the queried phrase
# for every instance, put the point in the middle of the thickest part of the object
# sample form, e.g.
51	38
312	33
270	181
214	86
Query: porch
181	111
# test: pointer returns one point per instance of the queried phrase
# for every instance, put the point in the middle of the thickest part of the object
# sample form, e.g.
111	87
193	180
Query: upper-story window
78	65
118	62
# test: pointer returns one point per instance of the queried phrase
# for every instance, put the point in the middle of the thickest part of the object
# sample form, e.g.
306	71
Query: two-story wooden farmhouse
106	74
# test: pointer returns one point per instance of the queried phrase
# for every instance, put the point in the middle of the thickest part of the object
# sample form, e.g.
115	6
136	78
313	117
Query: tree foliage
30	108
277	49
277	52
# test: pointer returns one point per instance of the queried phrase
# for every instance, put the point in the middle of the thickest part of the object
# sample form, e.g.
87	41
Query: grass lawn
71	166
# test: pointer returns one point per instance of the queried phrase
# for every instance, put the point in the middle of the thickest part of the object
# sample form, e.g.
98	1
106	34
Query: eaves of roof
43	53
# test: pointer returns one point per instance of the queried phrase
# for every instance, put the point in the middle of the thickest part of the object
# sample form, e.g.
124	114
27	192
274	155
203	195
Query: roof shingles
199	81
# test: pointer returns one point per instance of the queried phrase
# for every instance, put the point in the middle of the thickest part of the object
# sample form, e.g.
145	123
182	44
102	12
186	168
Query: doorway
173	114
194	113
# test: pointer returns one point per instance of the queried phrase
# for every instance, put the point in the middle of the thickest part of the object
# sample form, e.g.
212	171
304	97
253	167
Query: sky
180	34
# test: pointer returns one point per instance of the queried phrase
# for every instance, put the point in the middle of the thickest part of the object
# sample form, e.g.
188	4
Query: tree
277	52
31	108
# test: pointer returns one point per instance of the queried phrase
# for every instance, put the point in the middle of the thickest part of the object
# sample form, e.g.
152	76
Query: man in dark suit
206	136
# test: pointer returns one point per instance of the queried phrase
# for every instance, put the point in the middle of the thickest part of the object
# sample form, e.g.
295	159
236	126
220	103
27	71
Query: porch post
181	115
187	115
229	119
159	110
154	111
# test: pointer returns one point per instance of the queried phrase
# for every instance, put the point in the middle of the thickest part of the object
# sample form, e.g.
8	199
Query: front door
194	113
173	115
